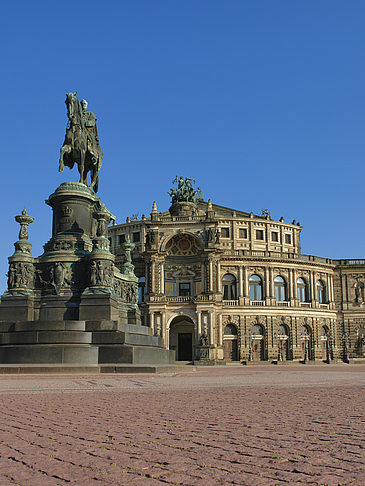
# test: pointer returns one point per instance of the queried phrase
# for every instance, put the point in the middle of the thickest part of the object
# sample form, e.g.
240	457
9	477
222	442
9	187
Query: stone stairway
80	342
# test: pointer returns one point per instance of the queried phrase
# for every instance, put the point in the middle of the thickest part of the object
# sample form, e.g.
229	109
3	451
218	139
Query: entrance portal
257	343
182	338
185	346
230	346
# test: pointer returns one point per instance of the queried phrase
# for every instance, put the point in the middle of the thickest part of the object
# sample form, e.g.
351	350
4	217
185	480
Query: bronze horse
80	146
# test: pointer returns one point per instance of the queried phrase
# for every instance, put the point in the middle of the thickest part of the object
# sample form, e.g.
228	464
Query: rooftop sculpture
185	191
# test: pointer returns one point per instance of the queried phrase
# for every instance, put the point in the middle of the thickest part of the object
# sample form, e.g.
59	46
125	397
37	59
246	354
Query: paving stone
214	427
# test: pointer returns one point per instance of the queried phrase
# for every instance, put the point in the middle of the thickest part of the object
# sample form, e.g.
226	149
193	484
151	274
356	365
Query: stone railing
230	302
203	297
324	306
280	255
351	262
185	298
178	218
305	304
282	303
257	303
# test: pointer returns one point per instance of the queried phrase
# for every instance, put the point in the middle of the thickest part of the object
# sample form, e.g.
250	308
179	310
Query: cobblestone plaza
261	425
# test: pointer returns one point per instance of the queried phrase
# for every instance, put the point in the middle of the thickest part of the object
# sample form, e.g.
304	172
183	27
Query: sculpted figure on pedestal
81	145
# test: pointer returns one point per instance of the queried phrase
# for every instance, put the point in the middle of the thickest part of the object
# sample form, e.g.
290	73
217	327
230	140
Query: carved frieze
20	275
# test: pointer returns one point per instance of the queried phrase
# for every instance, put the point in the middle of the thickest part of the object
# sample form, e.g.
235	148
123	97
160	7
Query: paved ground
261	425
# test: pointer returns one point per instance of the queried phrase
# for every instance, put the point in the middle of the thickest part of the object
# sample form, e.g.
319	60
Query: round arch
182	337
230	342
181	244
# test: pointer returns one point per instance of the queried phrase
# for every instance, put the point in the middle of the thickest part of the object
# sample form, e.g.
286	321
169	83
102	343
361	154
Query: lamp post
250	358
305	338
280	350
346	343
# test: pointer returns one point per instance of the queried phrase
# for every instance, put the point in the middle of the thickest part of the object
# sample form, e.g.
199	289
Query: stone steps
92	369
82	342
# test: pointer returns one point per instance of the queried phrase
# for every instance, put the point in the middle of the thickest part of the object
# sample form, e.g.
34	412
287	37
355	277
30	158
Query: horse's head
73	106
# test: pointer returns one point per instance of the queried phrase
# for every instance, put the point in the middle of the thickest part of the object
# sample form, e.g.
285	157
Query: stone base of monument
72	306
80	343
19	307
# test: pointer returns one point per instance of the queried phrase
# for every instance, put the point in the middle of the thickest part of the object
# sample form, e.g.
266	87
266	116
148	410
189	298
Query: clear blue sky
261	101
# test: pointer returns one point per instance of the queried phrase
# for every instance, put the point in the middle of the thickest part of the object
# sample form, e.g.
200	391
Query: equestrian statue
81	145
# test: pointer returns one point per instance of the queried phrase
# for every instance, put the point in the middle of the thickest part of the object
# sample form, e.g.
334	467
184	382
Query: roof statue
81	145
185	191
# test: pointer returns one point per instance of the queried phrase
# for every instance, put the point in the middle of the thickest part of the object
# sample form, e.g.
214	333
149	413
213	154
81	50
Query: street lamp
250	357
280	350
305	338
346	343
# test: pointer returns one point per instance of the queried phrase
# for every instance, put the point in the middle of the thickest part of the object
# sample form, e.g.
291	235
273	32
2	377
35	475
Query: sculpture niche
81	145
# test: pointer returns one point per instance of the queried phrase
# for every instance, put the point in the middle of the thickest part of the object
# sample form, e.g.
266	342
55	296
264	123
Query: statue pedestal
183	208
17	307
72	305
98	306
204	353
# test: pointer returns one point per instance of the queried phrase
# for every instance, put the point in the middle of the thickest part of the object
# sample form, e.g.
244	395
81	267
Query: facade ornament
185	191
24	220
359	288
204	340
23	245
128	267
101	273
209	235
20	275
217	236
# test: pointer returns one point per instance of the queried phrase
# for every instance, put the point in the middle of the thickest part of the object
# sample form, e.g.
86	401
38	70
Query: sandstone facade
220	285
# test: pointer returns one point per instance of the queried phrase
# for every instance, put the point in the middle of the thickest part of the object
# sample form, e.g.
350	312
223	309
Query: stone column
246	287
271	276
332	290
295	289
162	277
199	328
220	330
267	287
153	277
312	289
150	320
210	275
291	286
163	327
240	281
219	281
147	284
203	277
211	329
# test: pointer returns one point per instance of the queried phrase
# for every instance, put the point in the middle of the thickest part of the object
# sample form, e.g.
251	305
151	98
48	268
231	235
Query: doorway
185	346
182	338
230	343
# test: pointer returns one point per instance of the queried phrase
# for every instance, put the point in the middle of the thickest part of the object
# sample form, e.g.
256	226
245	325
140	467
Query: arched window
279	287
325	332
283	331
301	290
230	330
257	330
321	297
255	288
229	287
141	288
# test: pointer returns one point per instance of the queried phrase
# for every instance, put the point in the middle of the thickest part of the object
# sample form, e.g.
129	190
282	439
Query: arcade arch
182	337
